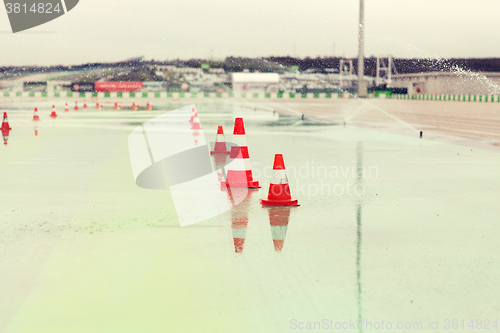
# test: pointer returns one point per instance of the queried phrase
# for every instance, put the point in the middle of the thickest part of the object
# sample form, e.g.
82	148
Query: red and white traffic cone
133	106
220	143
239	174
5	122
148	107
193	113
220	153
53	115
279	218
66	109
196	122
76	106
279	190
97	107
85	104
116	106
35	115
36	130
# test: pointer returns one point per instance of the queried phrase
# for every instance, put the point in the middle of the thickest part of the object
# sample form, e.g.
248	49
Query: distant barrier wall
165	95
451	98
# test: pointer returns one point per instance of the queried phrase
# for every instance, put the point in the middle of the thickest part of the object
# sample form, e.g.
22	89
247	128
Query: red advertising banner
117	86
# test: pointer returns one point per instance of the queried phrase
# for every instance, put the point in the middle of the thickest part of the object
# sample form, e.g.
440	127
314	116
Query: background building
461	82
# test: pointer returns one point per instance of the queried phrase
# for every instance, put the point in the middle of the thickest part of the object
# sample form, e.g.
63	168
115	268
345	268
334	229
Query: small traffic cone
279	218
116	106
279	190
97	106
66	109
76	106
35	116
220	143
133	106
196	122
239	175
148	107
53	115
193	113
152	107
36	130
5	122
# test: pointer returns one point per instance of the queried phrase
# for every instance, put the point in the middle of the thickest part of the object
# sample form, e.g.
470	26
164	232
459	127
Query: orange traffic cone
76	106
239	176
148	107
133	106
53	115
220	143
5	122
116	106
35	116
279	218
196	122
36	130
279	190
66	109
97	106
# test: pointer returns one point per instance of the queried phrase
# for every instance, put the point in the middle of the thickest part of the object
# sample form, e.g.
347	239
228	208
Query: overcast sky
111	30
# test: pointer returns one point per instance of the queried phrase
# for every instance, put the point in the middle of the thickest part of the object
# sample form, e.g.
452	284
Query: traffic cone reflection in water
239	217
279	217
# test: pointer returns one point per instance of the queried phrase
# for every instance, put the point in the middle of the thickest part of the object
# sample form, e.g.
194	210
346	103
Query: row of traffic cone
241	177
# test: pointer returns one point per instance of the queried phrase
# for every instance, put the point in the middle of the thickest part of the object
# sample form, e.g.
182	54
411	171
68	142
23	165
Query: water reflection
359	208
5	135
239	215
279	217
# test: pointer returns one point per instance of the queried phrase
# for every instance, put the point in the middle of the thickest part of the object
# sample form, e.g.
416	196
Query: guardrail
175	95
448	97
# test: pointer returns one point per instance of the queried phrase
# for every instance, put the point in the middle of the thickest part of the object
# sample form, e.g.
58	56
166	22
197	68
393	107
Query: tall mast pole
361	53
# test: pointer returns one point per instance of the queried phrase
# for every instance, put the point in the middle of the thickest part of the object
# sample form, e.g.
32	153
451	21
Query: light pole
362	85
